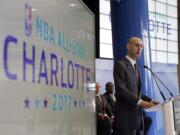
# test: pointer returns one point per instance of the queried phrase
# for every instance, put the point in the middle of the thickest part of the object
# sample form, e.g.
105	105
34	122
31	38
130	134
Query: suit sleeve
146	98
120	85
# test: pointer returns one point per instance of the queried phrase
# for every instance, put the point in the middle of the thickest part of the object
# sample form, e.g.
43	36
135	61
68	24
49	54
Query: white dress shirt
132	61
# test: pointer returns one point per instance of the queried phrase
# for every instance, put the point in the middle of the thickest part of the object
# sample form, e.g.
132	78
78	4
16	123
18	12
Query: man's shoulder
121	62
103	97
105	94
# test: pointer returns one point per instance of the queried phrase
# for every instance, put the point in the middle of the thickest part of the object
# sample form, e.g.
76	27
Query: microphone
147	67
159	80
156	77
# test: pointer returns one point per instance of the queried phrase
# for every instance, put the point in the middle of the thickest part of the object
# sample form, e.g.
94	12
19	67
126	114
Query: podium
171	116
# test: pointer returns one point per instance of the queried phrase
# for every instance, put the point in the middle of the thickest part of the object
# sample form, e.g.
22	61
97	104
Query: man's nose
139	48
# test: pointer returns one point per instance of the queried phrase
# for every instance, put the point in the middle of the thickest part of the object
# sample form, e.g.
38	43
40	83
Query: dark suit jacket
110	102
102	107
103	125
128	114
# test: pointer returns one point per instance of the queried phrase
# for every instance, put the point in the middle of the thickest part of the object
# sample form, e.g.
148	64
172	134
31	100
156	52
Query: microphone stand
163	84
158	87
155	77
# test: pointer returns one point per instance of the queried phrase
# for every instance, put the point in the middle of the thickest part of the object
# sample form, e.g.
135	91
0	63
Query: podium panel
171	111
171	116
176	109
168	118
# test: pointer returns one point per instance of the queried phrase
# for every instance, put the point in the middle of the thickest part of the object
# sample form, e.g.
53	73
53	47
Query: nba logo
28	20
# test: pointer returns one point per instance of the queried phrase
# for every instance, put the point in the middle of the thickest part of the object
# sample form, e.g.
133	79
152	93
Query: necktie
99	98
100	102
136	70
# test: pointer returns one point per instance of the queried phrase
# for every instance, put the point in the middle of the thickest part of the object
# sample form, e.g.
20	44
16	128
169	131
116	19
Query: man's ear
127	46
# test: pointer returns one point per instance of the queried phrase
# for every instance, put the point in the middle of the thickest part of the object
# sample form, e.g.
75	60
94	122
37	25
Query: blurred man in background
103	113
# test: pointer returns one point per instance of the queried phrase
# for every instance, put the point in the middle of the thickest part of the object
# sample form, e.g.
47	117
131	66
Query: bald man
129	101
104	114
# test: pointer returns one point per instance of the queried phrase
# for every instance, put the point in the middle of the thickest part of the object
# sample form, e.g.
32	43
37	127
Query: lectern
171	116
168	109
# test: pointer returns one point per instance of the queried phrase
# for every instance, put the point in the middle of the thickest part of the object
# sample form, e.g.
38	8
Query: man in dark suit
103	113
129	101
110	97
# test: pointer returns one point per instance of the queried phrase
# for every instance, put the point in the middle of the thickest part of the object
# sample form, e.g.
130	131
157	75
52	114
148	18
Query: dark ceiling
93	5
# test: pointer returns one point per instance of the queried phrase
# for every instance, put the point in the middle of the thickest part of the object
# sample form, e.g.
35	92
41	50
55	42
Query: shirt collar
98	94
132	61
111	94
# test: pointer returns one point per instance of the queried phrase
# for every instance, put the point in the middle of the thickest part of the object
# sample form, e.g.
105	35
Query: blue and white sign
163	28
47	62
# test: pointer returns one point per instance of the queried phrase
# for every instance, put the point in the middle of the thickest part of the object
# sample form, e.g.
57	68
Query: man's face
110	88
97	88
134	48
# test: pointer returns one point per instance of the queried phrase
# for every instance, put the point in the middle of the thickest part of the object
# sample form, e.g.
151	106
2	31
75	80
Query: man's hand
155	102
145	104
103	116
106	116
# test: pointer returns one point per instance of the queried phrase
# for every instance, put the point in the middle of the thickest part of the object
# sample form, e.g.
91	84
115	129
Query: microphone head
145	66
148	68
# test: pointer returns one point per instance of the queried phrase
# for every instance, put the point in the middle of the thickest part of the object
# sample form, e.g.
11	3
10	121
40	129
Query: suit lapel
128	64
130	68
100	102
111	99
133	73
